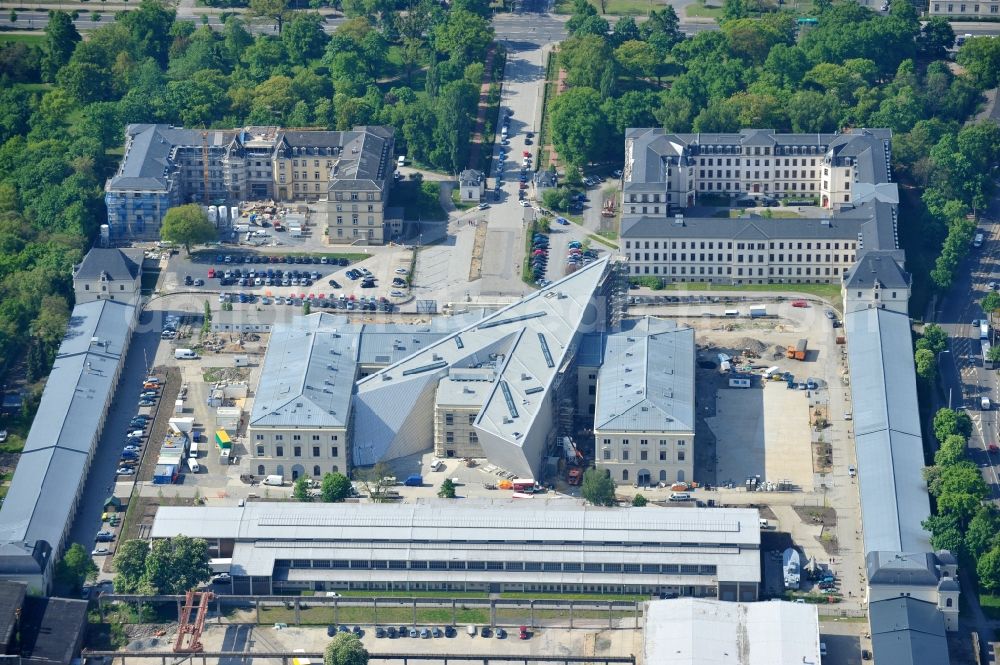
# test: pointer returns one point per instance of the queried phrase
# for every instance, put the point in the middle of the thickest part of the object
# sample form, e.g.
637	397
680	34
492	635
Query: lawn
699	9
549	95
616	7
990	604
829	292
38	39
368	615
448	595
35	87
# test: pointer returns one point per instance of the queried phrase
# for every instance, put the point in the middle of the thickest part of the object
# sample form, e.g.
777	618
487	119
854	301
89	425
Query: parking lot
291	279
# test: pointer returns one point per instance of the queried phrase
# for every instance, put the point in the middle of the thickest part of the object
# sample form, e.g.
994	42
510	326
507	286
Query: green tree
273	10
464	37
300	491
637	58
949	421
304	38
934	338
994	354
335	488
980	56
75	568
639	501
936	37
61	37
130	565
982	532
946	533
187	225
598	488
952	451
345	649
577	125
447	490
926	365
176	565
988	570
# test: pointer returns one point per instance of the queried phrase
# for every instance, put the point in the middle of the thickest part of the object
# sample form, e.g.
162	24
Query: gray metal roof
705	631
495	530
894	498
907	631
64	432
871	224
148	159
113	264
646	383
529	340
311	365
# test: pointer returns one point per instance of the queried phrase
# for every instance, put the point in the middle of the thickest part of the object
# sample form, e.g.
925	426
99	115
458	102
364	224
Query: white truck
984	329
274	481
185	354
193	465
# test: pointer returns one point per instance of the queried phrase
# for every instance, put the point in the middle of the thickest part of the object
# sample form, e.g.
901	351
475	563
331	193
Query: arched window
316	470
663	475
624	474
335	468
948	602
260	469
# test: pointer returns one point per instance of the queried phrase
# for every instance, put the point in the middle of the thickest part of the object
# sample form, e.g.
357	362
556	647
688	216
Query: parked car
522	633
101	551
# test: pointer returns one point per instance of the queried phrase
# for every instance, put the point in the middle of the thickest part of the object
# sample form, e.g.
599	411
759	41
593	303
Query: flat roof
469	520
702	631
494	530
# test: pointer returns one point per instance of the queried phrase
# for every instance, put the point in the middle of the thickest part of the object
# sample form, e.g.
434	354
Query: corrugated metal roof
702	631
646	383
894	498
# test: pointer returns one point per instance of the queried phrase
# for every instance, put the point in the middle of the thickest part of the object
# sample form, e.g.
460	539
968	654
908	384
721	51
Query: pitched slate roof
115	264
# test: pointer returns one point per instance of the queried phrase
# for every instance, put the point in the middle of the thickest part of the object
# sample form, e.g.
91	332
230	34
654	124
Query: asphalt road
101	477
963	376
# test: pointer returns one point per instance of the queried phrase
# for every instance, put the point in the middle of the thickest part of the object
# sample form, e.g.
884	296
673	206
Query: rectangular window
334	451
297	451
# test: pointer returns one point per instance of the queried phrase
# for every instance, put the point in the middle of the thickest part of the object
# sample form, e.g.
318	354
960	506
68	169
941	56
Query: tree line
964	523
64	104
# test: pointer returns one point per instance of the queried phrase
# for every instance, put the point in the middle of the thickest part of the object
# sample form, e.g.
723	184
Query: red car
211	273
993	448
799	303
523	633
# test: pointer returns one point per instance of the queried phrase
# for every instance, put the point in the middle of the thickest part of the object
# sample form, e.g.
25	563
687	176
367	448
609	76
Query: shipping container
222	440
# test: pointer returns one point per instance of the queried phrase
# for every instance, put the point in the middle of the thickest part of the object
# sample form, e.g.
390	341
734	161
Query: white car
396	293
3	435
101	551
525	204
402	271
483	206
125	471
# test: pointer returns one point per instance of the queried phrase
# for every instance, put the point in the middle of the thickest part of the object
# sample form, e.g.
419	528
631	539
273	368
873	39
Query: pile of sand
751	344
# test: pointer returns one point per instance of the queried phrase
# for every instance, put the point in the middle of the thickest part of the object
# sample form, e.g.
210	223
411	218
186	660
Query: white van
193	465
185	354
401	161
680	496
984	403
276	481
437	465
